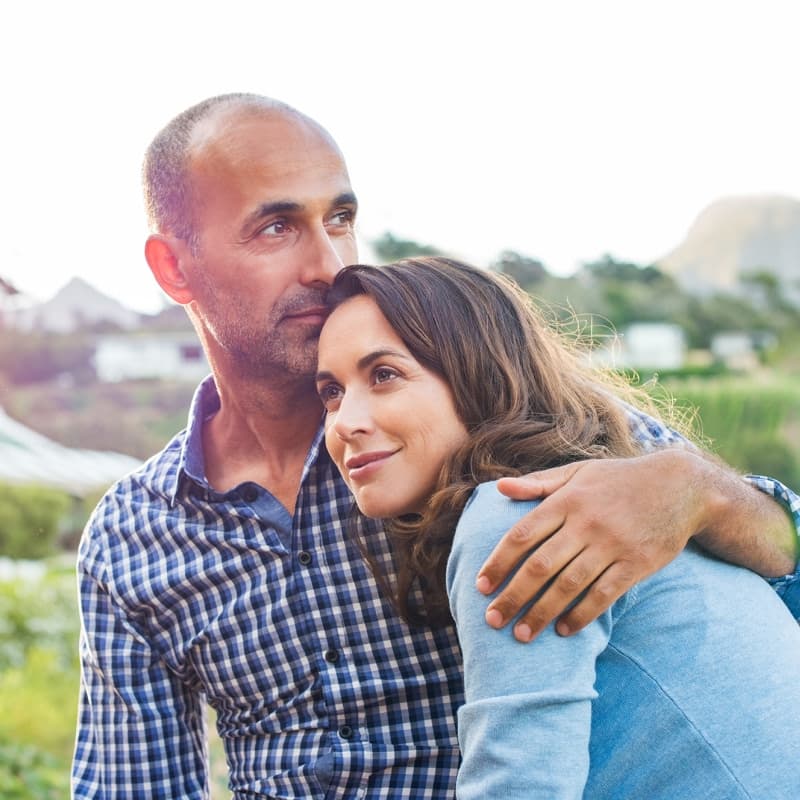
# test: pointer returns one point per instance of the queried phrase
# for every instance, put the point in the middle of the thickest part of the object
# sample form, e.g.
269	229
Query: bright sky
561	129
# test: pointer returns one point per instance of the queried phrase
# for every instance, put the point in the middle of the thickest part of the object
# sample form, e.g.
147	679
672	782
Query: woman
438	379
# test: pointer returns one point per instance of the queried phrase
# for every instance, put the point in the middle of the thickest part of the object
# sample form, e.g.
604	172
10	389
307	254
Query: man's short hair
165	173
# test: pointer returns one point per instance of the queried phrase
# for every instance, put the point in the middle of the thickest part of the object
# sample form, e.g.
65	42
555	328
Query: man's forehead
235	133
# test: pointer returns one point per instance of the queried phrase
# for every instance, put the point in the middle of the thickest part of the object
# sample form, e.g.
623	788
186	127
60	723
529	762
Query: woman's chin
389	511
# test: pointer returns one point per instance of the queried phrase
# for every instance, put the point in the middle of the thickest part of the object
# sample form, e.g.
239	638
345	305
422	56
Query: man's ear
165	256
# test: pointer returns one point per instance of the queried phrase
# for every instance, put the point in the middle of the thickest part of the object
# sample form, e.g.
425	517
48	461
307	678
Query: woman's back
689	687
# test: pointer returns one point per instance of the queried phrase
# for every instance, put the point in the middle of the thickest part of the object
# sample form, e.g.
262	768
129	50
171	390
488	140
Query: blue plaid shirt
191	596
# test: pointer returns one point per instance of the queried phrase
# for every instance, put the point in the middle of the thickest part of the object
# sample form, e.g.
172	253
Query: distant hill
76	305
735	236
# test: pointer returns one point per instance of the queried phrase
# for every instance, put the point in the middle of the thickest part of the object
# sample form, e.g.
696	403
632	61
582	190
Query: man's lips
315	313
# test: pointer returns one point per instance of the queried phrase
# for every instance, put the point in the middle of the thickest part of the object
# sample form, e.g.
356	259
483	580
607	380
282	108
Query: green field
752	423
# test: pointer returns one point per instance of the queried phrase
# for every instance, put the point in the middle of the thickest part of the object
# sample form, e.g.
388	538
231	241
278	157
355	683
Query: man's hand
602	526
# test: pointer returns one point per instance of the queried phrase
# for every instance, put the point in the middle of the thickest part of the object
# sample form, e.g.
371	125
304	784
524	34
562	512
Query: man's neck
261	435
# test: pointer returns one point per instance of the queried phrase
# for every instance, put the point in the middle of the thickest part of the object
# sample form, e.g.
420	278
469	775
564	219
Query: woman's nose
353	416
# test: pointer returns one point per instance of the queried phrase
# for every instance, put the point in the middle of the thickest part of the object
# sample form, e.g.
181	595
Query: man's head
253	216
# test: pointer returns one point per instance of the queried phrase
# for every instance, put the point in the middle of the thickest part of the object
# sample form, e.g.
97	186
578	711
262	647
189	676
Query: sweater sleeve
524	729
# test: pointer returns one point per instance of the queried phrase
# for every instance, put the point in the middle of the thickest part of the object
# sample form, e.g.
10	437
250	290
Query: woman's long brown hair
527	398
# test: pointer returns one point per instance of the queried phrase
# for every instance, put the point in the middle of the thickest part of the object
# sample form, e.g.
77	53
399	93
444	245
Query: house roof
28	457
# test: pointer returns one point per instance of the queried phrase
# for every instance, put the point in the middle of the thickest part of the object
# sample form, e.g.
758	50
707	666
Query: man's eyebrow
268	209
364	361
346	199
289	206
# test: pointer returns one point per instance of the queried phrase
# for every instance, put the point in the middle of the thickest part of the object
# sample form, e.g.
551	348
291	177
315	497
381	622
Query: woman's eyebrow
364	361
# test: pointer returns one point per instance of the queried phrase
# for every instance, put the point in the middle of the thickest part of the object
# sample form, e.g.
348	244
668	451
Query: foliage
389	248
620	293
30	773
30	520
38	684
526	271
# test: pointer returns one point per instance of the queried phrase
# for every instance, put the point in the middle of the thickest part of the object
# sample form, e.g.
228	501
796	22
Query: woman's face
391	423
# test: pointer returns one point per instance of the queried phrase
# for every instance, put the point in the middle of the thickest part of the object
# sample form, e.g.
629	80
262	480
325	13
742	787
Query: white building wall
143	356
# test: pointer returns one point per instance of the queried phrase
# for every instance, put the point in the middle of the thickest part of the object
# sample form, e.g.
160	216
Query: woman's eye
330	396
384	374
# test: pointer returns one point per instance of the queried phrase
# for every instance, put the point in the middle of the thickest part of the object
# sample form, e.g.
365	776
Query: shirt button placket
305	558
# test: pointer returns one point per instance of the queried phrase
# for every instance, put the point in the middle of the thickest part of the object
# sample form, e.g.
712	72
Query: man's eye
345	217
277	228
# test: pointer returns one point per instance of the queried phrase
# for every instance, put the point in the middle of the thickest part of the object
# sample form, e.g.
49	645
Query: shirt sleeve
141	731
652	435
524	729
788	586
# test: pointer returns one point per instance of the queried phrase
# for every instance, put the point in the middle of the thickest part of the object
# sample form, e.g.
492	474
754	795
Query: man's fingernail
494	618
562	629
523	632
483	584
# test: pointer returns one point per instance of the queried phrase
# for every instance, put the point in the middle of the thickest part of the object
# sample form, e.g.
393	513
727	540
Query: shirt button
250	494
331	656
304	557
346	732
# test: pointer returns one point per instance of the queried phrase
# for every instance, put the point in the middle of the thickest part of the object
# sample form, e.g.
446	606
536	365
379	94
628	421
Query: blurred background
632	164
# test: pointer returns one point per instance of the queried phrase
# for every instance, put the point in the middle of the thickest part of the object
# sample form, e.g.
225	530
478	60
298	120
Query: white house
176	355
646	345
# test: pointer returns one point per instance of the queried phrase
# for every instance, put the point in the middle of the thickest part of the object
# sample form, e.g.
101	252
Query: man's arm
652	505
141	734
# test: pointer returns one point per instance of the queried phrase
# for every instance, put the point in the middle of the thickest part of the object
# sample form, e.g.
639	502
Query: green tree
389	248
524	270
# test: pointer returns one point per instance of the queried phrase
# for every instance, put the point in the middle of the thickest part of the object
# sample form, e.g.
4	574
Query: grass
752	423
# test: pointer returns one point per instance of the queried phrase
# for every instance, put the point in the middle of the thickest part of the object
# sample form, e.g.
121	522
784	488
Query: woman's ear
165	256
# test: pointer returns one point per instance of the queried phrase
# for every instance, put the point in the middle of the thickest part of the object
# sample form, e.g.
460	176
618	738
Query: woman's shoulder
487	498
487	515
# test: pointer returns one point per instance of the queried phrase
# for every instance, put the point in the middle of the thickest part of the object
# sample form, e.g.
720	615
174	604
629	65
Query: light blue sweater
688	687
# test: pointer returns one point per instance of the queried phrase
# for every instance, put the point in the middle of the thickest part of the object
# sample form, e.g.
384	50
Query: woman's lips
364	464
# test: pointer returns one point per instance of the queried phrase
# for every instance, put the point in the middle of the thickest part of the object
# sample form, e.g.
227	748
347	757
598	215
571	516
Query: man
221	571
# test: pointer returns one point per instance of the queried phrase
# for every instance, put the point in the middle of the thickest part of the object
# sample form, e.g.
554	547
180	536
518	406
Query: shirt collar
191	465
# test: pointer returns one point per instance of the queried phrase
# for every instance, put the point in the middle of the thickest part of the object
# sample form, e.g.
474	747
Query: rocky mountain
76	305
735	236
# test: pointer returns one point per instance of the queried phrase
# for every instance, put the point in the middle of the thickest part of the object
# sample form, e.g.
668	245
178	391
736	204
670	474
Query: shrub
38	685
30	519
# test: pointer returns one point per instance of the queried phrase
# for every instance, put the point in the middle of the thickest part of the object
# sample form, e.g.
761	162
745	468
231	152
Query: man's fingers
606	589
527	533
537	484
533	575
577	574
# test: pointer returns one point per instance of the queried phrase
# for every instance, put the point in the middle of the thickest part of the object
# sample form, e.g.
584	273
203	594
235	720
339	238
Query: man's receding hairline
231	109
258	107
166	167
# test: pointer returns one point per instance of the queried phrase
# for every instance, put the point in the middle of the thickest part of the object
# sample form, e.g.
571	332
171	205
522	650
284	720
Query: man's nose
323	260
